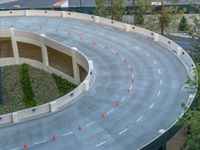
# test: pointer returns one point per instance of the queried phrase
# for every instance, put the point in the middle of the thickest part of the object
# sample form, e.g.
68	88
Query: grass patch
28	96
63	85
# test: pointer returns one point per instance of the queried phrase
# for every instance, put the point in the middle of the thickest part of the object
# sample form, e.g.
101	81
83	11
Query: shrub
183	25
28	96
63	85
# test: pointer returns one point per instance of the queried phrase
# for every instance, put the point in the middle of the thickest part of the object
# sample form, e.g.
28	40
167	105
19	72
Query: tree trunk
162	27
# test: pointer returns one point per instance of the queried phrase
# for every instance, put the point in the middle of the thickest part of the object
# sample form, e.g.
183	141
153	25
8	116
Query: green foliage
139	17
101	8
183	25
63	85
113	8
28	96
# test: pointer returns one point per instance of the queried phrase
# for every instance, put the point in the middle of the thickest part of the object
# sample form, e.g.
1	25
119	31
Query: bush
63	85
28	96
183	25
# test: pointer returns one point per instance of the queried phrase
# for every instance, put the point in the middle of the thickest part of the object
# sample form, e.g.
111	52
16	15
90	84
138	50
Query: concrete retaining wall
41	41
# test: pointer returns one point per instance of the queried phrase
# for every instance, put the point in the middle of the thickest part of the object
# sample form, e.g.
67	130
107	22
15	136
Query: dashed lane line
161	82
123	99
151	106
139	118
91	123
158	93
100	144
123	131
68	133
155	62
110	111
40	142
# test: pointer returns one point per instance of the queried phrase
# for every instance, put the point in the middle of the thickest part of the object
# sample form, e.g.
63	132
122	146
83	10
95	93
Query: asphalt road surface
108	116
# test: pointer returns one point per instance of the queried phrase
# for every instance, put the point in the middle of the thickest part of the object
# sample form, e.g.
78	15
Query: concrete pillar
14	45
179	51
156	37
96	19
15	118
75	67
127	27
53	106
86	85
45	58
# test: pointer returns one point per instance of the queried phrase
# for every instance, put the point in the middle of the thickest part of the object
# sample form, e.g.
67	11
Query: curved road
108	116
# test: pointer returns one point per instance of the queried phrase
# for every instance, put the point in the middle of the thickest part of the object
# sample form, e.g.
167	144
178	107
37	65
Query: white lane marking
132	76
123	99
154	62
147	54
161	82
158	93
68	133
159	72
89	124
123	58
161	131
16	148
139	118
123	131
110	111
104	142
131	87
151	106
40	142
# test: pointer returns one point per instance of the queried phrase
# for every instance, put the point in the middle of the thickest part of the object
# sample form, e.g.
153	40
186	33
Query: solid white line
158	93
16	148
139	118
89	124
40	142
161	82
132	76
104	142
151	106
155	62
159	72
123	99
68	133
131	87
147	54
110	111
123	131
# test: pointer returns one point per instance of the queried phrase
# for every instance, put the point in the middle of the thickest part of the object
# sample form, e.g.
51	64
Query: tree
113	8
183	25
166	13
101	8
116	9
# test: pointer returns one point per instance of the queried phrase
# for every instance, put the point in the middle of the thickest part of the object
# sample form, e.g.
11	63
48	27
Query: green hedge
63	85
28	96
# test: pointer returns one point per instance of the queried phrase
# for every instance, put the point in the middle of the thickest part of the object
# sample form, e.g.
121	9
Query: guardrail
42	41
181	54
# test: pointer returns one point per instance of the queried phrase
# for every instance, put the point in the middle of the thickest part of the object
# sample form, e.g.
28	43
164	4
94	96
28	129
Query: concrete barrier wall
42	41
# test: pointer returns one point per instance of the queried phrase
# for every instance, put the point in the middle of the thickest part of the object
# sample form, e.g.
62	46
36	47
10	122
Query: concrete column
179	51
14	45
75	67
45	58
15	118
156	37
96	19
53	106
127	27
